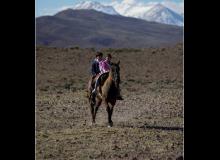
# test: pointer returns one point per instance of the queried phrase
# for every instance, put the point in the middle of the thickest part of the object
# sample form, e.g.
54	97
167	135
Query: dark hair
109	55
99	54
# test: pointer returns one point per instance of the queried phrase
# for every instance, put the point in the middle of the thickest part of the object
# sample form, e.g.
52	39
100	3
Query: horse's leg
111	108
110	123
112	104
92	110
96	107
89	87
108	109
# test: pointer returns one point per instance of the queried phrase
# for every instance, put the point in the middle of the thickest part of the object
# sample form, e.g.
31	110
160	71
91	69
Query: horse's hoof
110	124
93	123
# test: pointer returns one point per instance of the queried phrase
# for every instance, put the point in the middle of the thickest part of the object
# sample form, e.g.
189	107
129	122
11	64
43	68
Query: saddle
101	79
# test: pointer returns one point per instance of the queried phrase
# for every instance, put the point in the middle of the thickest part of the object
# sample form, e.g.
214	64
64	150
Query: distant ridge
90	28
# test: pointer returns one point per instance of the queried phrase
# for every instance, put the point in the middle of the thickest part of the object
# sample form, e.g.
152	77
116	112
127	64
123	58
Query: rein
110	78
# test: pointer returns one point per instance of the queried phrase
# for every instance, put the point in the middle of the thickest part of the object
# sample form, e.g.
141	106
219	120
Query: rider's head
99	55
109	57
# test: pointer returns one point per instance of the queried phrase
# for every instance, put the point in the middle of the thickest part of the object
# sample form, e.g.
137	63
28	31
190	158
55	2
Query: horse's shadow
156	127
162	128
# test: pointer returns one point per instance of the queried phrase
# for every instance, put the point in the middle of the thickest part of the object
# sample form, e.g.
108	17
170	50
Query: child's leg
90	84
96	85
95	88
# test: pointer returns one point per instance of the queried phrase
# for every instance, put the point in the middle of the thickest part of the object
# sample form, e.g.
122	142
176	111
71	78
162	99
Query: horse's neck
109	80
109	83
110	76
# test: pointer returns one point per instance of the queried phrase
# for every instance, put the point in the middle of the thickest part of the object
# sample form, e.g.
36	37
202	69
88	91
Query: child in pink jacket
104	67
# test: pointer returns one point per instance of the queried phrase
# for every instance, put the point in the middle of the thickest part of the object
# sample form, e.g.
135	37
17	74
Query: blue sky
49	7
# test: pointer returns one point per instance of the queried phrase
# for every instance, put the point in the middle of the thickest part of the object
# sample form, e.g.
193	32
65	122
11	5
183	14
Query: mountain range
151	12
96	6
91	28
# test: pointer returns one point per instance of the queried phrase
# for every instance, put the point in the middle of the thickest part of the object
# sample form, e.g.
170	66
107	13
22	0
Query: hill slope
90	28
162	14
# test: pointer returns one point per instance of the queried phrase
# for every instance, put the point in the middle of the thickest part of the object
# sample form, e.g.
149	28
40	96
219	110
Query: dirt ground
148	123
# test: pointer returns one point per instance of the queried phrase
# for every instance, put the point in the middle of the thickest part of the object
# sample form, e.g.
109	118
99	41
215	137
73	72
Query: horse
106	93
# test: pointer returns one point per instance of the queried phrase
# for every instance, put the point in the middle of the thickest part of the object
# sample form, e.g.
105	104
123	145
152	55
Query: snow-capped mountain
156	12
96	6
162	14
150	12
131	9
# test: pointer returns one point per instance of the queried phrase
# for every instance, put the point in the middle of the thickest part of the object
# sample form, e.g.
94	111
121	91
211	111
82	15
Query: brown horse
106	93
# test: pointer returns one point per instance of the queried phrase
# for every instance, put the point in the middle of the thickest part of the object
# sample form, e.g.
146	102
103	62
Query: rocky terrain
148	123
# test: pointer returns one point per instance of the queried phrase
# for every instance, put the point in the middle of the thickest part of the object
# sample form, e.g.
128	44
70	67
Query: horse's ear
118	62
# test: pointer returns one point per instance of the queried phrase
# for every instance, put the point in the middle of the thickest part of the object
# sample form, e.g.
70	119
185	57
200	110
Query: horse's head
115	68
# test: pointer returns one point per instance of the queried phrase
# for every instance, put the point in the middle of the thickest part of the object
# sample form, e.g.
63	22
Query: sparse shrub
131	80
153	52
127	50
109	50
93	49
67	86
65	49
119	50
45	136
74	89
76	47
59	92
131	89
49	81
137	50
163	49
44	89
